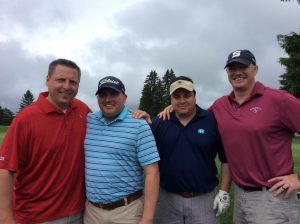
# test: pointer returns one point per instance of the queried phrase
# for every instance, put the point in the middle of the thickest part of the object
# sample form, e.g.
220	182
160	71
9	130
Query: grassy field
2	132
227	218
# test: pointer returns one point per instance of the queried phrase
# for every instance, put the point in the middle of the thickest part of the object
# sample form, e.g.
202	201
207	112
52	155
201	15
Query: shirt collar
257	90
120	117
47	107
200	113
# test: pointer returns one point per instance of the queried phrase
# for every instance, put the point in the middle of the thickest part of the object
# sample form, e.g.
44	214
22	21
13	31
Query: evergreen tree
150	99
1	114
6	116
290	80
26	100
289	1
167	79
157	98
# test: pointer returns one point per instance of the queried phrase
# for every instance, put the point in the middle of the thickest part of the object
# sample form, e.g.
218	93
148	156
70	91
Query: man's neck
60	107
184	120
109	119
241	95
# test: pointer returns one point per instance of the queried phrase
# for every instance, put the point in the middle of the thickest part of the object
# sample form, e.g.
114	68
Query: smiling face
183	102
111	102
242	77
63	86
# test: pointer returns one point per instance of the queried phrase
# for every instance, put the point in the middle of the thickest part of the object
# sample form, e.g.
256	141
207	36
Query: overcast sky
129	38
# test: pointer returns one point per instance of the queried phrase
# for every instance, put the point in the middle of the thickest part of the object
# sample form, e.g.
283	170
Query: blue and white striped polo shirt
115	154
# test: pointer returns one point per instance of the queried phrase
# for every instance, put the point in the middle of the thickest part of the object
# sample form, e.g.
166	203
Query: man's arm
225	177
150	192
6	190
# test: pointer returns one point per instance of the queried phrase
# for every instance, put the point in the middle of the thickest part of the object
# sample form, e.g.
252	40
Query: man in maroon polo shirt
257	124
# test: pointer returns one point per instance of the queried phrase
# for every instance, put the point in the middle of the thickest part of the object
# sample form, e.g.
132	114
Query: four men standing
42	154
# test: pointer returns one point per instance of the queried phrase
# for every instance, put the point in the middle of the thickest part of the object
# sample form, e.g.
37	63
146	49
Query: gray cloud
19	72
192	37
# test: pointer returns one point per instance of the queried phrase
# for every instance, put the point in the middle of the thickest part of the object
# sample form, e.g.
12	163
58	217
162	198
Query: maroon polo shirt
257	134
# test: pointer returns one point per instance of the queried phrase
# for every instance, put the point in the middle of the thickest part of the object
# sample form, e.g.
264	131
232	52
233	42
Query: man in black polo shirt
188	144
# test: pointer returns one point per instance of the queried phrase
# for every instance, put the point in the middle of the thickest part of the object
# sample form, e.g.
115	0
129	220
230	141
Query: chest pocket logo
255	109
201	131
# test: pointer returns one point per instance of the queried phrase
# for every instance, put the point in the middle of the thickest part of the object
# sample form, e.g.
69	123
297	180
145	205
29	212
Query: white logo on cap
2	158
236	54
110	81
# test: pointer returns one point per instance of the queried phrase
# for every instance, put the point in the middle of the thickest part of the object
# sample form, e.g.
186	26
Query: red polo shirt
44	146
257	135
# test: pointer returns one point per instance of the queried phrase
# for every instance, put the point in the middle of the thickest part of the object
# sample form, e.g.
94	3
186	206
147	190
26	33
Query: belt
124	201
189	194
251	189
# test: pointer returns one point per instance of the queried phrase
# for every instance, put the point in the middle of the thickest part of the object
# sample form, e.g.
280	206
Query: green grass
296	153
3	130
227	217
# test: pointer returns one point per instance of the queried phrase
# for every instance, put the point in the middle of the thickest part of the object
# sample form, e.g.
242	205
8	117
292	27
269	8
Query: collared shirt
188	152
115	154
44	146
257	134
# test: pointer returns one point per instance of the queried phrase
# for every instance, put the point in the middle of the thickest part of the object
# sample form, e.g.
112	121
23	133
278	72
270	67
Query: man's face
183	102
111	102
241	77
62	86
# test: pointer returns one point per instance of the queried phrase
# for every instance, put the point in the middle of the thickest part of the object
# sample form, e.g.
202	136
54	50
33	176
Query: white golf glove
221	202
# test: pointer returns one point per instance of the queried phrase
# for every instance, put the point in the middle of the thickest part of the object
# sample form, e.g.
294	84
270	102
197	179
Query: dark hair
186	79
63	62
183	78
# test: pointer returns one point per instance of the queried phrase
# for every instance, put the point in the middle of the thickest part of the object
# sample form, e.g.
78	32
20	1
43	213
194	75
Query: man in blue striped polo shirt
119	150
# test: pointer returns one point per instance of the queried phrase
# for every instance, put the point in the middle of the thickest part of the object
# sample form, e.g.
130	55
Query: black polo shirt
188	152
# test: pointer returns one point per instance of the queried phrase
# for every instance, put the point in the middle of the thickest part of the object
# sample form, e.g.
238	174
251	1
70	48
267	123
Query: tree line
6	115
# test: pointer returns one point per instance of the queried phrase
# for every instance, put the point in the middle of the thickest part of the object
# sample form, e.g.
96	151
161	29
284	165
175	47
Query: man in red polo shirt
41	158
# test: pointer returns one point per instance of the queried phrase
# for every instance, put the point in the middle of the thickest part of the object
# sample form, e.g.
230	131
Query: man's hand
221	202
165	114
285	184
141	114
